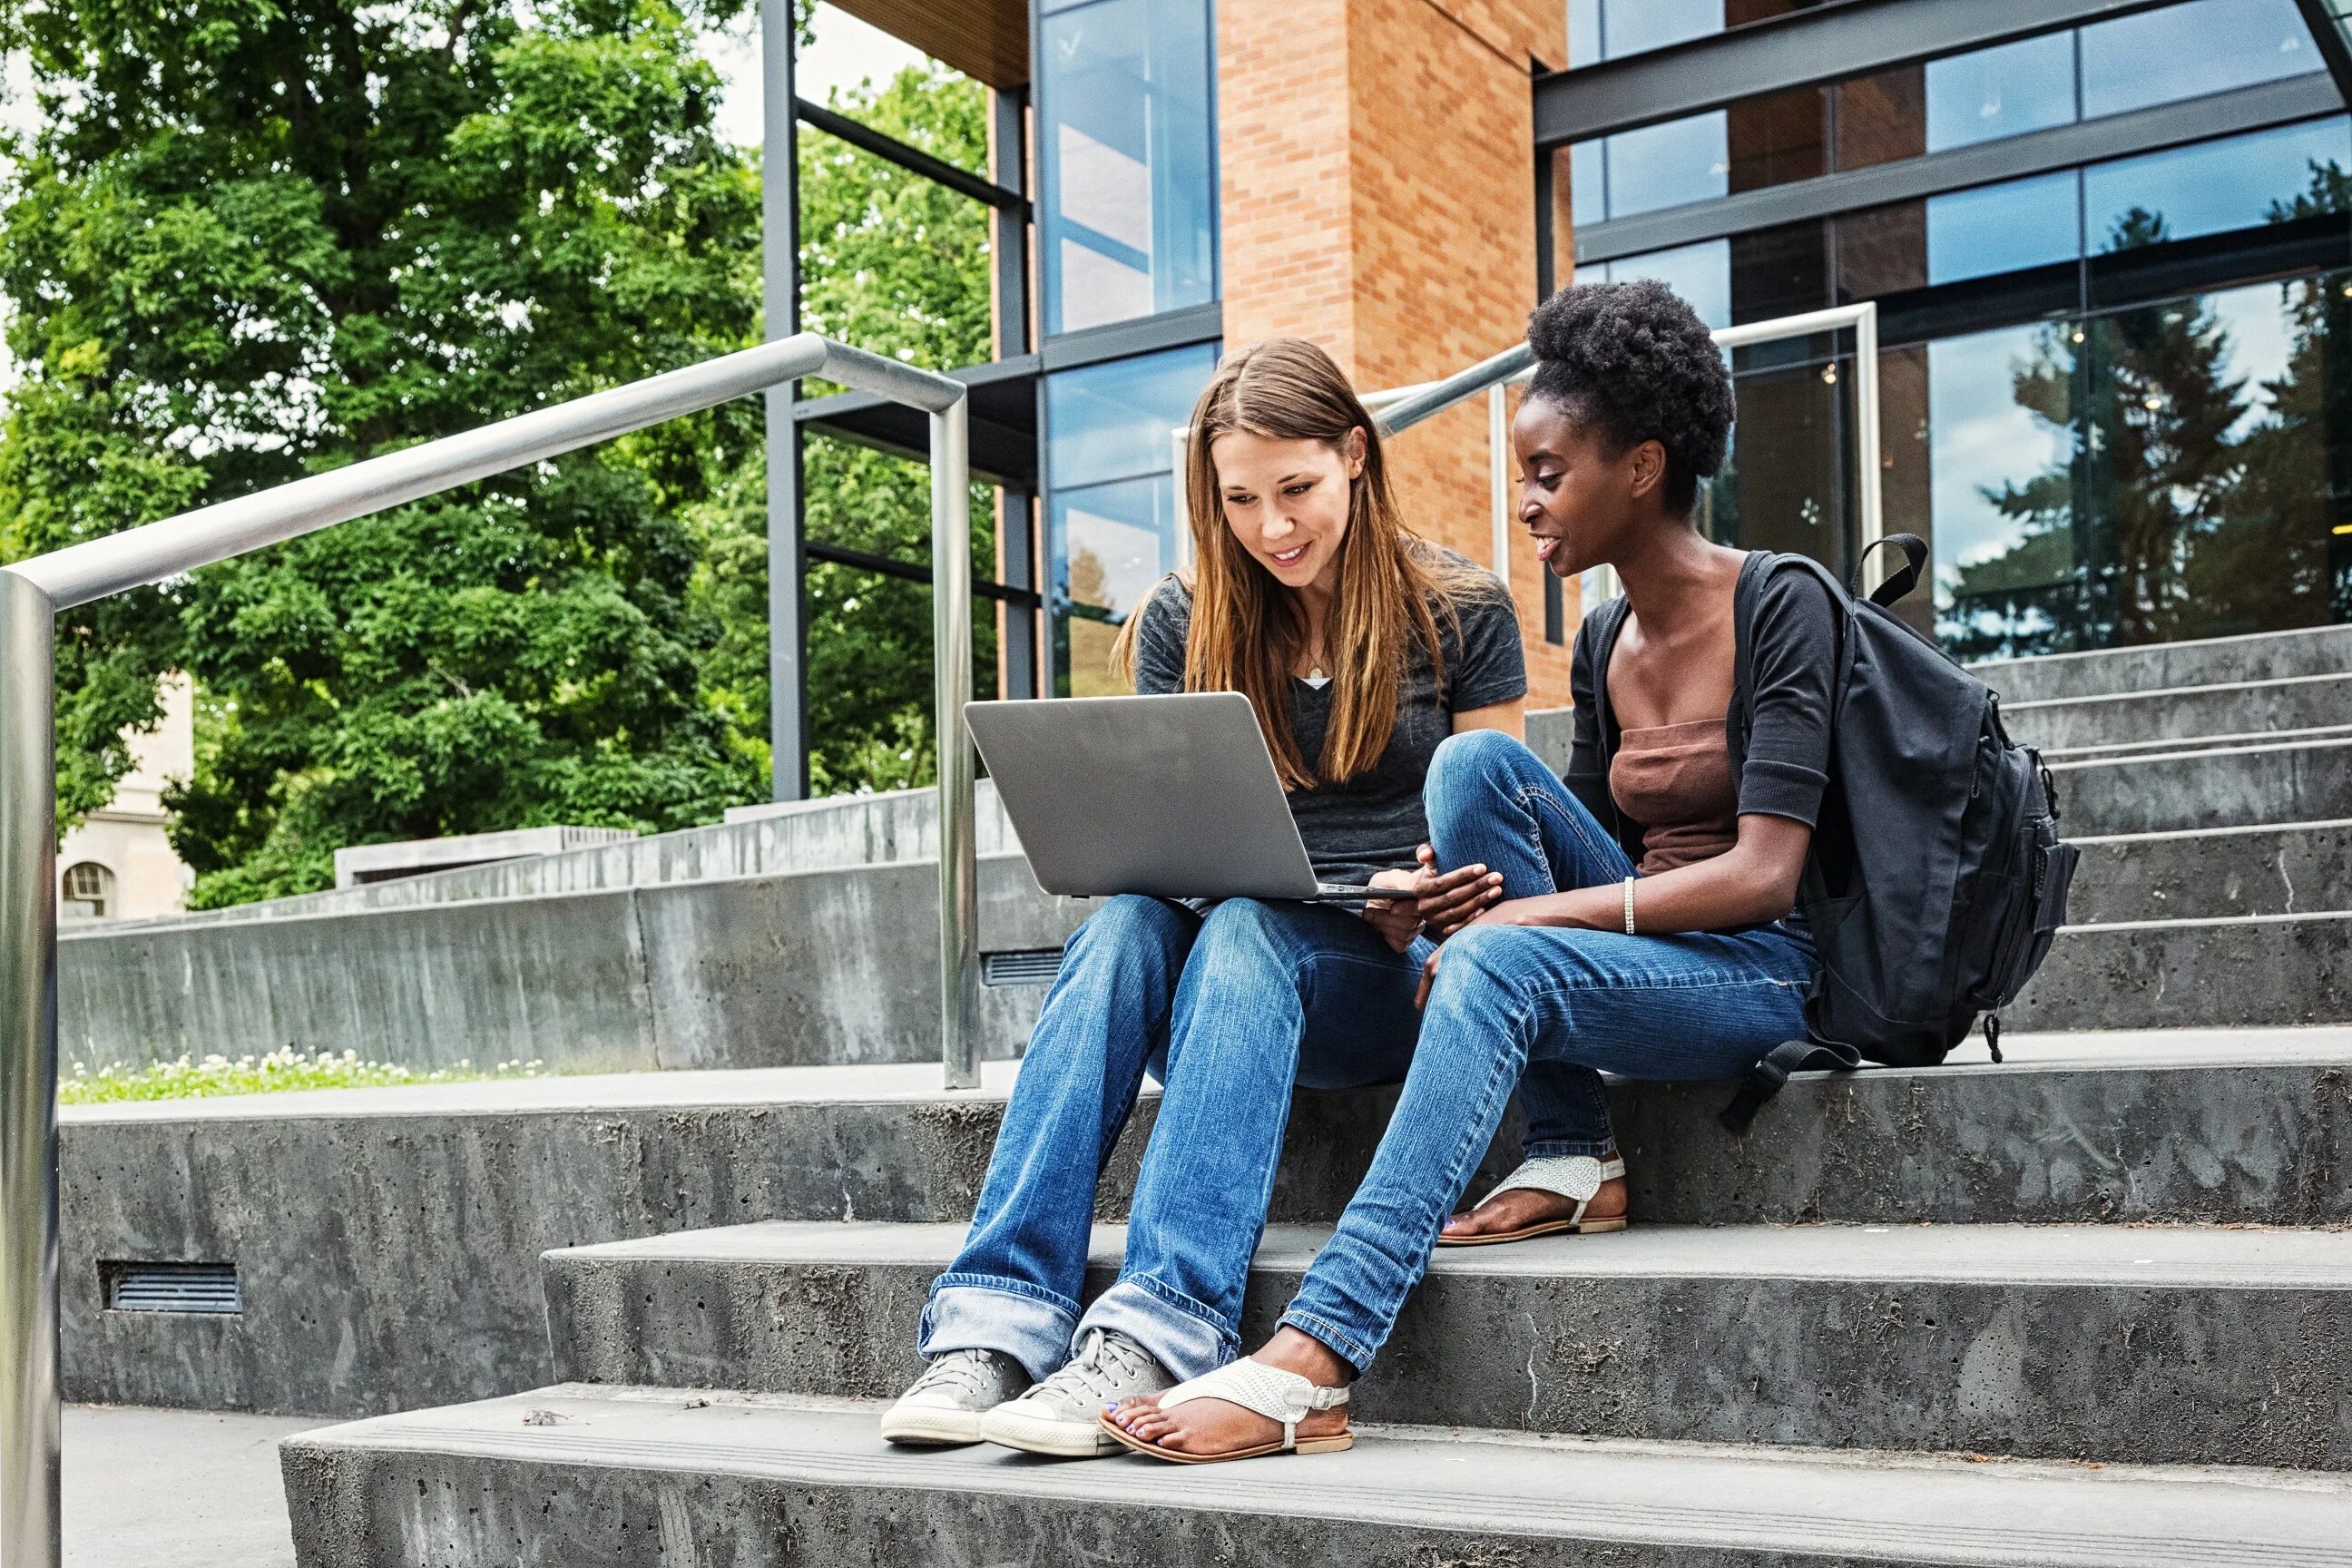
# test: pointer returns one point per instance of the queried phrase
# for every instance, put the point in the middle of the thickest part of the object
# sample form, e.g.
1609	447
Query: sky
847	52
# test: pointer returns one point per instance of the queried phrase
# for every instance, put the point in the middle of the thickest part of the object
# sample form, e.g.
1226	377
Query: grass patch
288	1070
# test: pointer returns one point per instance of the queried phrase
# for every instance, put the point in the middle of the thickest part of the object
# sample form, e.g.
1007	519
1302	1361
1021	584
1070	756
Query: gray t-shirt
1373	822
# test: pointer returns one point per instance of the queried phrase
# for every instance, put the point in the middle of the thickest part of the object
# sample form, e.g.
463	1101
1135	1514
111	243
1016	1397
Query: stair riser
2205	876
2183	715
2206	789
2154	1375
2163	665
390	1510
2281	972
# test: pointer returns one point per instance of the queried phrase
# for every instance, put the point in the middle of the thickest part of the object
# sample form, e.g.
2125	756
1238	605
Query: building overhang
987	40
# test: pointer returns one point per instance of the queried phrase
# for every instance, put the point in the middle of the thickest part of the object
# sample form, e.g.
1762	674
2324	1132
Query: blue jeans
1228	1010
1544	1007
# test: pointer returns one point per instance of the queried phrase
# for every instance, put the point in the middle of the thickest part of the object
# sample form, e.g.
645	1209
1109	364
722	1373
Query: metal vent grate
1037	966
171	1288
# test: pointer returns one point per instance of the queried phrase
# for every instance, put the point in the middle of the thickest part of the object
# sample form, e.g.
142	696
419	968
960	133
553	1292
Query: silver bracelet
1629	906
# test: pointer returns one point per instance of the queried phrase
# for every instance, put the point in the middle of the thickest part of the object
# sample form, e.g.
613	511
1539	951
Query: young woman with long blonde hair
1362	648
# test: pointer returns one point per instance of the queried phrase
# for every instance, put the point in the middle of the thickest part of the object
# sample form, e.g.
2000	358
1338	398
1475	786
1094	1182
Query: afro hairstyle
1635	362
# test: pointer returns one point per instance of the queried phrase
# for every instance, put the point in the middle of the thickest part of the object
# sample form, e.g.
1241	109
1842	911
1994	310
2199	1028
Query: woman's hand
1397	919
1452	899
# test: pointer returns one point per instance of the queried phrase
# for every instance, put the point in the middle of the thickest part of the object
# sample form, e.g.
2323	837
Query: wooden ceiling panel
985	39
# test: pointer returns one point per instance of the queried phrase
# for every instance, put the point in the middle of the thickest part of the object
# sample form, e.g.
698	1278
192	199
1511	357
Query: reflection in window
2003	228
2211	187
1129	223
1112	518
88	893
2006	91
2161	472
1700	273
2185	51
1682	161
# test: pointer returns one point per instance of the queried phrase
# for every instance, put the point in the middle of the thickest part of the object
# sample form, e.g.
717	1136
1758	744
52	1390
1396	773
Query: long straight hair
1248	632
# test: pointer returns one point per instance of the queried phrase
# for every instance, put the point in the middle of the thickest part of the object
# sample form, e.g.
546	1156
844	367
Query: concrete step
2223	786
2233	707
2104	1343
636	1478
2171	743
2205	872
2264	655
364	1222
2267	969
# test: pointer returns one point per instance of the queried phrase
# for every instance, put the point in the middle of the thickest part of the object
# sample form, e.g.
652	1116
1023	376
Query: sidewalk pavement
175	1488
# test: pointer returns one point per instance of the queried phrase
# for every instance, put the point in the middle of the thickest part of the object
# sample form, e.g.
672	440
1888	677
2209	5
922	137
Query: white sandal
1578	1176
1263	1390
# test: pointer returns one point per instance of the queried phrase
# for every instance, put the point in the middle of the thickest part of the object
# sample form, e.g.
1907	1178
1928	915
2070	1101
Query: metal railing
1401	407
33	592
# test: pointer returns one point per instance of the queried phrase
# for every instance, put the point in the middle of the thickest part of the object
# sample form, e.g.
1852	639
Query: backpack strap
1766	1077
1903	578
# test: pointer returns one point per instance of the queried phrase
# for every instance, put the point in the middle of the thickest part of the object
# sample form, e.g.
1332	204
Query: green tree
248	243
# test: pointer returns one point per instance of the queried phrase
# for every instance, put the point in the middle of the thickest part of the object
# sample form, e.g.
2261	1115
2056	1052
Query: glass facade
1127	221
2169	470
2116	399
2164	56
1112	523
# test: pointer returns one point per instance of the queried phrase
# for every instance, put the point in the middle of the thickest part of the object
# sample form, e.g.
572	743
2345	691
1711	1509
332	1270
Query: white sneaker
1059	1415
946	1402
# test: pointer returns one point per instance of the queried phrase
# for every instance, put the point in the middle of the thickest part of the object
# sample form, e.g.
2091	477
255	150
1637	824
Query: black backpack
1936	878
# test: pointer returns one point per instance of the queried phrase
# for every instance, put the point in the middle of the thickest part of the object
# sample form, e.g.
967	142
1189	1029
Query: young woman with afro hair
1648	924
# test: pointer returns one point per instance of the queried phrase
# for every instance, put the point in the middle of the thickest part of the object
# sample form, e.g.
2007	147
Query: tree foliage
253	239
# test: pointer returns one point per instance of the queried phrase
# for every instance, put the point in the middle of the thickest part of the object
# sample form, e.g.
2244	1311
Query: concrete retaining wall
827	966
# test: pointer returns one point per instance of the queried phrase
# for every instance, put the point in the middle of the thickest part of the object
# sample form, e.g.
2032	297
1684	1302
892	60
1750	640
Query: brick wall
1379	198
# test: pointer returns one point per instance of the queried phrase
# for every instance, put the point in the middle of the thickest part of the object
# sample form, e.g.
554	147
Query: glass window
1112	518
1667	165
2147	475
1588	182
2003	228
88	892
1129	222
1779	271
2211	187
2001	436
1882	118
2006	91
1700	273
2182	51
1777	138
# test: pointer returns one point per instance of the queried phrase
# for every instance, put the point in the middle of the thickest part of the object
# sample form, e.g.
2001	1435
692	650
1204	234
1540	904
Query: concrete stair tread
2029	1051
1747	1503
2199	1256
2325	678
2272	742
2168	745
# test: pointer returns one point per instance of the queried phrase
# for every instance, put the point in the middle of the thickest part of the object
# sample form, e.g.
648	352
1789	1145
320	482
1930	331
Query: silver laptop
1174	796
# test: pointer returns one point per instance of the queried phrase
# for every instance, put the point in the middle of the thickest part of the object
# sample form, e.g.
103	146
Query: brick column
1378	197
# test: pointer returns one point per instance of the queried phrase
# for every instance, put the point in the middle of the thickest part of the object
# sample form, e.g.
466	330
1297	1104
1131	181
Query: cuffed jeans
1544	1007
1229	1011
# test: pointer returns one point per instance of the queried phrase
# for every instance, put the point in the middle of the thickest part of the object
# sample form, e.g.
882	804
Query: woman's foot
1521	1207
1216	1426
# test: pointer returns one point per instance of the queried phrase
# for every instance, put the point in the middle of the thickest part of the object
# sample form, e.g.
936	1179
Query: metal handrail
33	592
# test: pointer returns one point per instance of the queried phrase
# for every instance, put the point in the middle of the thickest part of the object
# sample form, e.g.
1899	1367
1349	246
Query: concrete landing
628	1478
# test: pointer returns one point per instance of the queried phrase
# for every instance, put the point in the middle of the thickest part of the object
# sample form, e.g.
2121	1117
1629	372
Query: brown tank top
1675	781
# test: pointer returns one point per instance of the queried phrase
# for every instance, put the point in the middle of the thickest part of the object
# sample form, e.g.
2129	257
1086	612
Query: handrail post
29	1078
951	663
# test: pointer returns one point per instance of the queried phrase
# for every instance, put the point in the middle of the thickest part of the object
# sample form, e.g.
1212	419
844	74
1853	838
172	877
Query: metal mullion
788	718
913	572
